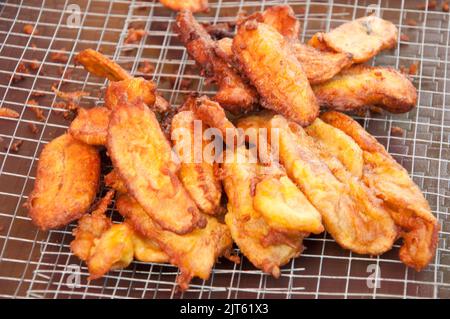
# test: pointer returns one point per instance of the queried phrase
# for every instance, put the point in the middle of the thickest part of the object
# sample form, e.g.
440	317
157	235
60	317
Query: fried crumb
71	98
413	69
7	112
445	6
33	46
59	57
21	68
15	147
38	94
33	128
375	110
33	105
134	35
397	131
404	37
146	68
34	65
28	29
67	74
411	22
220	30
432	4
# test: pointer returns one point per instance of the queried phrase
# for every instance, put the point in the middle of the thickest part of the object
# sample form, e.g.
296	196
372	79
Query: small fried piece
91	125
268	61
6	112
113	180
96	63
193	253
142	156
409	208
234	94
191	5
363	38
66	182
130	89
196	173
134	35
361	86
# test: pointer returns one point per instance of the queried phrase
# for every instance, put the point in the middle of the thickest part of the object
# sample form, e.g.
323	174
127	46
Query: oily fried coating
98	64
196	172
142	156
363	38
66	182
147	250
268	61
91	125
113	180
193	253
283	19
361	86
191	5
234	94
212	114
130	89
348	213
7	112
409	208
340	144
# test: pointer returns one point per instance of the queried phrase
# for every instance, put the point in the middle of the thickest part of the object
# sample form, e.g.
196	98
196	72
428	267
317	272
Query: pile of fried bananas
329	173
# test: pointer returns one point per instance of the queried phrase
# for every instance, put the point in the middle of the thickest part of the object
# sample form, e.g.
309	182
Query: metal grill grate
36	264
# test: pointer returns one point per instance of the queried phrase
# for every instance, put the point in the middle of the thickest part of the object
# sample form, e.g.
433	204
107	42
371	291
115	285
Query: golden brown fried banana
191	5
142	156
283	19
91	125
131	89
212	114
363	38
361	86
234	94
196	173
194	253
147	250
6	112
268	61
351	218
98	64
409	209
66	182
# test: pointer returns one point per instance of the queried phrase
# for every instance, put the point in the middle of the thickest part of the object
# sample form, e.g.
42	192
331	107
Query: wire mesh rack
35	264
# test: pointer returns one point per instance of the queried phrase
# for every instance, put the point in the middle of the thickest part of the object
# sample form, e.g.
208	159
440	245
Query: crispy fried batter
212	114
409	209
283	19
113	180
194	253
6	112
147	250
129	90
363	38
91	125
67	169
191	5
352	217
268	61
142	156
234	94
361	86
96	63
196	173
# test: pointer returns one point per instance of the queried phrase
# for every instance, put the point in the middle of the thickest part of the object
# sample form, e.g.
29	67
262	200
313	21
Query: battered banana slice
409	208
98	64
66	182
361	86
143	158
191	5
234	94
283	19
363	38
267	59
196	173
91	125
349	214
194	253
131	89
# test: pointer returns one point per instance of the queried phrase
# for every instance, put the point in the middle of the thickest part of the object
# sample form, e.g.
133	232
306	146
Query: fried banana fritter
142	156
98	64
409	209
193	253
212	114
283	19
66	182
196	174
268	61
129	90
352	217
234	94
361	86
191	5
91	125
363	38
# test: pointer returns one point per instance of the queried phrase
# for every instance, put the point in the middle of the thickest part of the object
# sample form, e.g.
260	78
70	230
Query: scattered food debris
413	69
33	105
411	22
134	35
375	110
404	37
432	4
15	147
28	29
6	112
60	56
445	6
38	94
34	65
33	128
21	68
397	131
146	68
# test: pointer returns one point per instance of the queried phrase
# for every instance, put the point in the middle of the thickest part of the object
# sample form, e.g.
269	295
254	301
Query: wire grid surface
39	265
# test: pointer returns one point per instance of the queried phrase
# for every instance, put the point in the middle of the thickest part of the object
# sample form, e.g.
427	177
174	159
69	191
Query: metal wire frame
37	265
